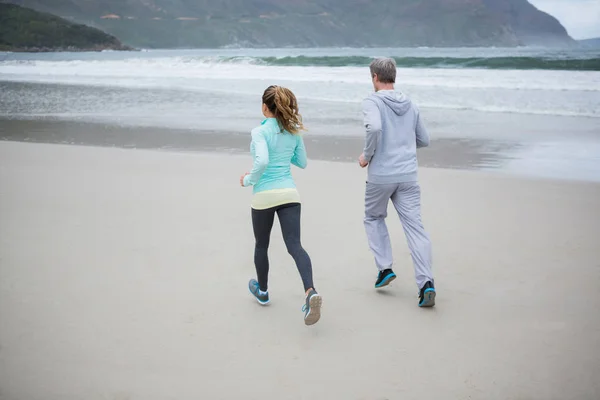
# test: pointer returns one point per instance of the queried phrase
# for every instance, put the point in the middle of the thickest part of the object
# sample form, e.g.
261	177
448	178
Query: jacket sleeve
261	158
421	132
299	157
372	122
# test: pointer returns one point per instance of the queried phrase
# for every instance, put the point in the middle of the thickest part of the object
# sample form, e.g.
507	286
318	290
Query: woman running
276	144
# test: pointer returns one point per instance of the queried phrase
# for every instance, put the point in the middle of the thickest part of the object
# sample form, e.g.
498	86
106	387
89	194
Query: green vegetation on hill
23	29
314	23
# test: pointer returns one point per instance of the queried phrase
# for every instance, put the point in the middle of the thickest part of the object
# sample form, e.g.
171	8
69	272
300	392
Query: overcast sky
580	17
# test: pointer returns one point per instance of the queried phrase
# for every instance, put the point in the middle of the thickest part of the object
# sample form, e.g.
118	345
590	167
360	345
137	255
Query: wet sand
443	153
123	276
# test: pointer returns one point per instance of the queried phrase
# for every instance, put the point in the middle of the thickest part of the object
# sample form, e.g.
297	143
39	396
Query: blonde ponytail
283	105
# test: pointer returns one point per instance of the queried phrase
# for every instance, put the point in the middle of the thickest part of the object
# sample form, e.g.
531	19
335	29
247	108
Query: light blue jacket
274	152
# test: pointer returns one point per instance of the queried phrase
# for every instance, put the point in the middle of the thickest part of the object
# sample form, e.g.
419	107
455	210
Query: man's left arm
421	132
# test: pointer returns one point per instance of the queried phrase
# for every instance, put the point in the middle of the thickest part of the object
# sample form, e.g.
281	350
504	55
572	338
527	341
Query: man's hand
362	161
242	179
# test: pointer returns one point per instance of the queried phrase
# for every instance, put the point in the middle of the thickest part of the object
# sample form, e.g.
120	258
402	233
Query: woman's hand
242	179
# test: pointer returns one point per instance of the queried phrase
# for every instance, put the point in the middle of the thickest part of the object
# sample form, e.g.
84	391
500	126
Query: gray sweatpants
406	198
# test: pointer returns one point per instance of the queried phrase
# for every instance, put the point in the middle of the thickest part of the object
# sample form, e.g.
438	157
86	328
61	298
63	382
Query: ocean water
539	108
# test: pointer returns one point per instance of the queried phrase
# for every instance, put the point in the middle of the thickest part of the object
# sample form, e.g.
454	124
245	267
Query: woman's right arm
261	159
299	157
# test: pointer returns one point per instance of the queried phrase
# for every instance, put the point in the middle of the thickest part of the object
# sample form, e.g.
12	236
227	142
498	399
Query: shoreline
446	153
495	173
508	157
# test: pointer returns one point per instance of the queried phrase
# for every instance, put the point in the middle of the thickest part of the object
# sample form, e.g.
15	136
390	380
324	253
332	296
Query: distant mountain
306	23
592	43
23	29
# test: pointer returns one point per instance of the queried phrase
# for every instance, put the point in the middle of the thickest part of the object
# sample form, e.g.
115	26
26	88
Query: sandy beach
123	276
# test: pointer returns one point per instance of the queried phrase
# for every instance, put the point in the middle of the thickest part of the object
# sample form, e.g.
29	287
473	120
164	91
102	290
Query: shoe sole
386	282
257	299
428	298
314	314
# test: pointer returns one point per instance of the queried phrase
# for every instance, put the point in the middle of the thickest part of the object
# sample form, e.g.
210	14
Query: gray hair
385	68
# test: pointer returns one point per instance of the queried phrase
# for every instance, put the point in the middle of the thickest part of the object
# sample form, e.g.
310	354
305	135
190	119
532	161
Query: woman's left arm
299	157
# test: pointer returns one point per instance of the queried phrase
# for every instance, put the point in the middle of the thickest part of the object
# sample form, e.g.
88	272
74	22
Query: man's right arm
372	121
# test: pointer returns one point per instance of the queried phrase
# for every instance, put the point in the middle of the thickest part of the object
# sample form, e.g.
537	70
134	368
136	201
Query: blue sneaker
384	278
427	295
312	308
263	299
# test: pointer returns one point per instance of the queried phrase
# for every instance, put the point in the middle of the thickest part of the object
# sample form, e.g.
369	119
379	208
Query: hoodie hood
398	102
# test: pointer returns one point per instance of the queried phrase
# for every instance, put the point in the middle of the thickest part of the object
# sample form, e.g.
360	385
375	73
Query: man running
394	131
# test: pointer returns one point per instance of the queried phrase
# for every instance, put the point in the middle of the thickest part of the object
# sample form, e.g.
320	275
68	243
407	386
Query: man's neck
386	86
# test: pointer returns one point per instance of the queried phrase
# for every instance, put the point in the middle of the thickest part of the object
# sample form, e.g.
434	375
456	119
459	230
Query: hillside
23	29
302	23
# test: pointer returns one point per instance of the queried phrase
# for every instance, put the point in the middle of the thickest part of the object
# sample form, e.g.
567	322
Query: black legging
289	219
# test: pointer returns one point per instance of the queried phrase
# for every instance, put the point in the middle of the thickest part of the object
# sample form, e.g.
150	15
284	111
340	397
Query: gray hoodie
394	132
